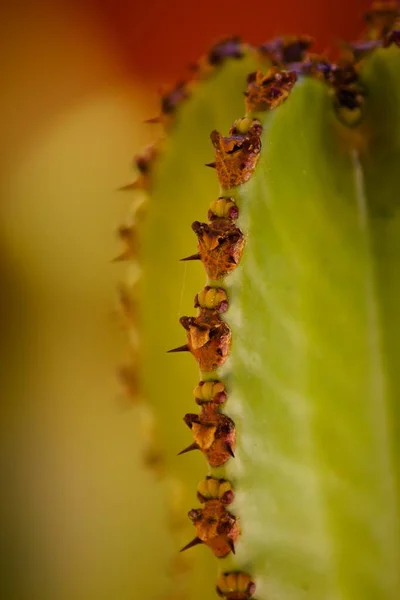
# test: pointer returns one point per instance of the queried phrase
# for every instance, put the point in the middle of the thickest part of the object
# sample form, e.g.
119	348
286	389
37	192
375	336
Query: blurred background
81	517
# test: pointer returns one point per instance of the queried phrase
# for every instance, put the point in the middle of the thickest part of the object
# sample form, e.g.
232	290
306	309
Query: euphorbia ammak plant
293	343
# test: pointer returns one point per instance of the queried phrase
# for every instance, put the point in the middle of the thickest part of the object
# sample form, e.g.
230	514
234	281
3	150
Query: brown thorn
121	257
229	449
192	257
184	348
135	185
154	120
193	446
212	165
231	545
191	418
195	542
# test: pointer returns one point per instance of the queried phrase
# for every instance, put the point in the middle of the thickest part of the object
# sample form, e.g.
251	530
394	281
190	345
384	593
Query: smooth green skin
314	369
314	373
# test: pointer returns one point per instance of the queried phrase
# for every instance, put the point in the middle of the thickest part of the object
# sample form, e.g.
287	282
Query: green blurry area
81	517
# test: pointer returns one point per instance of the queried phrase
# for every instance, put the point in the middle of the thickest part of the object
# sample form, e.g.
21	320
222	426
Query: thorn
135	185
195	542
231	545
184	348
191	418
192	257
193	446
212	165
229	449
154	120
119	258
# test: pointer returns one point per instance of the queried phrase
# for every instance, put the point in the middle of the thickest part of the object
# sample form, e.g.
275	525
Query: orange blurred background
79	77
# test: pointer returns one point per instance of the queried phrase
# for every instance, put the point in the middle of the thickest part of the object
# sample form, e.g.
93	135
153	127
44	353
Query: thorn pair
236	156
209	341
215	525
196	541
128	239
214	434
220	245
195	446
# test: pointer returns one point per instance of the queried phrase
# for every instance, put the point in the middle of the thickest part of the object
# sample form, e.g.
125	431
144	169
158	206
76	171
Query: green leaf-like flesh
314	374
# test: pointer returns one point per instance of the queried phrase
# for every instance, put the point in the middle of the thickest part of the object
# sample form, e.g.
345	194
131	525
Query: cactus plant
297	329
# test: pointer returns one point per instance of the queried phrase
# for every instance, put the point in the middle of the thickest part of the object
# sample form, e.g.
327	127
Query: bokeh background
81	517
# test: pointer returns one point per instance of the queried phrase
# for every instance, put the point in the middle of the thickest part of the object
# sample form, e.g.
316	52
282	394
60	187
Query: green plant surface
314	367
312	376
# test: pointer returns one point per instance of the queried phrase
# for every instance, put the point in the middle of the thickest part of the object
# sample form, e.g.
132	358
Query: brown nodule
288	49
128	239
209	340
128	376
393	37
214	434
267	92
236	156
220	245
227	48
216	527
172	99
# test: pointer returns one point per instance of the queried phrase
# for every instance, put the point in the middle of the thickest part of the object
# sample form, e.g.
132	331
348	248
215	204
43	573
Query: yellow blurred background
74	487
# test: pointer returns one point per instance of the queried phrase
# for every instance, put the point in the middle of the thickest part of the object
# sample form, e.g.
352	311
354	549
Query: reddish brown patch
236	156
266	92
235	585
145	160
128	377
209	340
144	163
174	97
128	308
349	94
230	47
214	434
393	37
317	66
220	245
287	49
128	239
216	527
